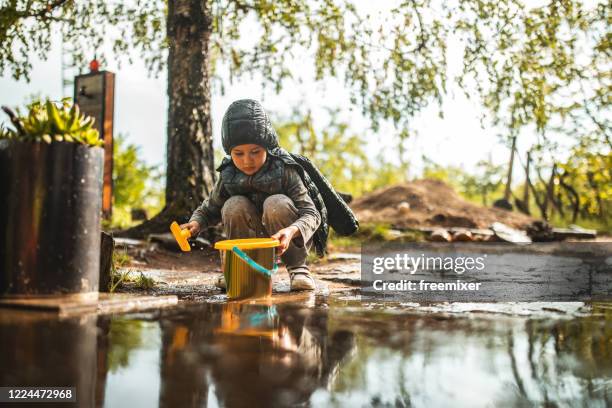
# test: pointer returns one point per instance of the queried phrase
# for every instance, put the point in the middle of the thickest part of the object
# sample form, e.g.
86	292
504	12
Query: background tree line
540	72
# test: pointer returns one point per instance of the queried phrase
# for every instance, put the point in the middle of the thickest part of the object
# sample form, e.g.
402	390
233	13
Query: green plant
125	336
144	282
339	153
118	278
120	259
373	232
51	121
135	184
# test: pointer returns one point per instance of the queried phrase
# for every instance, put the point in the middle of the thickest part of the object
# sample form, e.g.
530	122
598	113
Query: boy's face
248	158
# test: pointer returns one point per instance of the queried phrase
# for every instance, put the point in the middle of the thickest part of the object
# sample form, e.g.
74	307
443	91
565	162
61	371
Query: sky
141	107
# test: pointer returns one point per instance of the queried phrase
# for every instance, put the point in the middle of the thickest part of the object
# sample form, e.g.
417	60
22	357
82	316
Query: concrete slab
106	303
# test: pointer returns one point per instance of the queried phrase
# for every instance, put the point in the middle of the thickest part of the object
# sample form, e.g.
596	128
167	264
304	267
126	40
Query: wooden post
107	247
95	94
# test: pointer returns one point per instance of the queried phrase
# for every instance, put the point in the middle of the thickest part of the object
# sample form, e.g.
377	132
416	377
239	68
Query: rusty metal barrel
51	199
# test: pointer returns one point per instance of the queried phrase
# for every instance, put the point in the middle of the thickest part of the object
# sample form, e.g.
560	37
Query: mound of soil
430	203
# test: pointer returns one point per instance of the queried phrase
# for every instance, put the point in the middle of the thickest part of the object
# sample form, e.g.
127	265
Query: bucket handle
253	264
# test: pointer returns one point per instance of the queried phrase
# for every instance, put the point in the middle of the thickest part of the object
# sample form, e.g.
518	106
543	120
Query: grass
121	275
373	232
118	277
144	282
601	225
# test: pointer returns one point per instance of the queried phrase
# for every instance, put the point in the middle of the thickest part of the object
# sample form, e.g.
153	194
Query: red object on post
94	65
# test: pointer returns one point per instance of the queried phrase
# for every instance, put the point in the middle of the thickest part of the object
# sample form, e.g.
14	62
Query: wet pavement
312	350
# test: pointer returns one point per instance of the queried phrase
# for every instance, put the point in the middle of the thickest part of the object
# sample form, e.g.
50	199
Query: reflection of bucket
248	265
239	319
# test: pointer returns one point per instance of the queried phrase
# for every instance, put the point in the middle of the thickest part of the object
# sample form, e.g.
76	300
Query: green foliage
539	71
144	282
531	66
589	170
50	122
541	65
339	154
373	232
26	28
580	193
118	276
581	188
125	335
485	184
135	184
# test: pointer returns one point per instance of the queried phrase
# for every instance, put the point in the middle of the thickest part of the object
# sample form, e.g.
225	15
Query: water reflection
237	354
247	353
38	350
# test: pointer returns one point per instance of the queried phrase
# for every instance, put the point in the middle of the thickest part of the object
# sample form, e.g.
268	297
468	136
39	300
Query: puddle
319	351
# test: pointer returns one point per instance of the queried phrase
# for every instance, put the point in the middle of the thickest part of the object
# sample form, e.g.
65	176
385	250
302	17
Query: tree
339	153
474	187
581	184
523	61
135	184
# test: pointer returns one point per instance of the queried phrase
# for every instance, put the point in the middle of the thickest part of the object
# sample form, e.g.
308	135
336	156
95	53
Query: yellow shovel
181	236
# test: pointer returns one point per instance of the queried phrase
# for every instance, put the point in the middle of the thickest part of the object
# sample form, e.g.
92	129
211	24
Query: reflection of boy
286	369
262	191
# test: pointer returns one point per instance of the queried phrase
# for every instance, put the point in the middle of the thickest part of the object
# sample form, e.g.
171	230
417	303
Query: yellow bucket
248	265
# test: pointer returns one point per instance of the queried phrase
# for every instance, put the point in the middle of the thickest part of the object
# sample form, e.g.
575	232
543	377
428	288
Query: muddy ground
430	203
192	275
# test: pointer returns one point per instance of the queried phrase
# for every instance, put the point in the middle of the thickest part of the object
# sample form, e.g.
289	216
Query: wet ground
328	348
192	276
319	351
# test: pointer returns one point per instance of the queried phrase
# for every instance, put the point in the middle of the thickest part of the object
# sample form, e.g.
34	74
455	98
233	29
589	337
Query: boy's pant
242	220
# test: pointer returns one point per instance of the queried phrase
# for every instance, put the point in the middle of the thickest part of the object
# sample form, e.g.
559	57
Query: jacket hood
246	122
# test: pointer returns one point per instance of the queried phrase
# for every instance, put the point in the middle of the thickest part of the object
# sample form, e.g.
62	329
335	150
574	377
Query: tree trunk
549	196
527	181
510	167
572	195
190	173
537	200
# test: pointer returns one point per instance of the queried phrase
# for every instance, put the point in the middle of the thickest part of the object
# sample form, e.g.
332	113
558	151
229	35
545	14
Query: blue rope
253	264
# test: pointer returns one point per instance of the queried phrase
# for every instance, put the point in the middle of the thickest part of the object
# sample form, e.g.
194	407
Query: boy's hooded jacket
246	122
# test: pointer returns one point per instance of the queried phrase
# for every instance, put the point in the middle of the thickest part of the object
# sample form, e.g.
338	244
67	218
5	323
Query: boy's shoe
301	279
220	283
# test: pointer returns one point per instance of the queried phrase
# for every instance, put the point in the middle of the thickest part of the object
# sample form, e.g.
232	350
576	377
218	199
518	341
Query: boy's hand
193	227
285	236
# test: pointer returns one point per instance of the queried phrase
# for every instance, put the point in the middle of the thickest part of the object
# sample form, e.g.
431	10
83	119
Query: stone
509	234
440	235
404	208
463	236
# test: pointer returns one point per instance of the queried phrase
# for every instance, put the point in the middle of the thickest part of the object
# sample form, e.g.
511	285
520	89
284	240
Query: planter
51	198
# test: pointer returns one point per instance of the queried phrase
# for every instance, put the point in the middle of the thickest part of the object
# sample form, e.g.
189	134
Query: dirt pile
430	203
